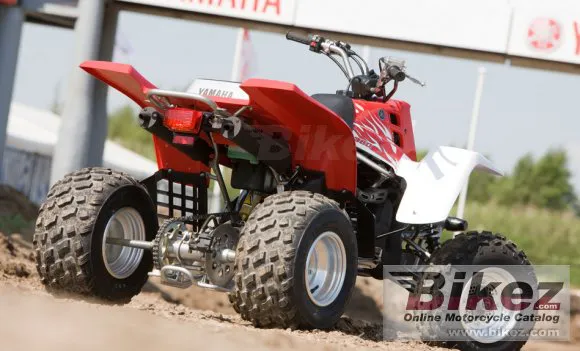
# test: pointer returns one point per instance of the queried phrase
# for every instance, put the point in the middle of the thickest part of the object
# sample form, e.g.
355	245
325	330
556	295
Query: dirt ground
171	319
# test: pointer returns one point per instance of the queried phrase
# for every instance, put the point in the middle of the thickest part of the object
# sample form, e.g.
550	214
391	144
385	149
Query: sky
522	110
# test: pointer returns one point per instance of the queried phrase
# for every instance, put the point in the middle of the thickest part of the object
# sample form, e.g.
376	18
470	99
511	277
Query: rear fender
434	183
128	81
320	140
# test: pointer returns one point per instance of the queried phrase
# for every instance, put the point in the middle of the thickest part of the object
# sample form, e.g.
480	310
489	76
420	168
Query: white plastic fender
434	183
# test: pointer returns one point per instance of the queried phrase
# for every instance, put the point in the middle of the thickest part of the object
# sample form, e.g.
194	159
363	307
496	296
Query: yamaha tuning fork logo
486	304
545	34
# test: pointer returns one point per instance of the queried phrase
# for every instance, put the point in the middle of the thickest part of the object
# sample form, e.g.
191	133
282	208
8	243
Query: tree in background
125	130
481	187
544	183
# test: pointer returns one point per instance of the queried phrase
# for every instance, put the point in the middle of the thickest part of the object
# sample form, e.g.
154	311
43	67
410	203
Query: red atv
330	188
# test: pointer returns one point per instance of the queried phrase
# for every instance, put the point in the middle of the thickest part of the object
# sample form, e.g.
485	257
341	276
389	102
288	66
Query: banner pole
471	136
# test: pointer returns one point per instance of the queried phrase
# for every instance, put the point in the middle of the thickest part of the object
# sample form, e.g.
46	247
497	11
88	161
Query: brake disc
220	273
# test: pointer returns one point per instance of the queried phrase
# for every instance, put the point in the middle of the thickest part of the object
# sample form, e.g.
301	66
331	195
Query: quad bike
330	188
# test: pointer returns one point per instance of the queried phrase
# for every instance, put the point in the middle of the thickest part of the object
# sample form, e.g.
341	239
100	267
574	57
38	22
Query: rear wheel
295	262
81	212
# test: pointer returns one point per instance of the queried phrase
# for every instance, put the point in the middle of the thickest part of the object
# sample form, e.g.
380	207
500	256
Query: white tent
31	136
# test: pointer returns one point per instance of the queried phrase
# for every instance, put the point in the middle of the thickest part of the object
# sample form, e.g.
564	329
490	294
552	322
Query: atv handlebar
320	45
367	83
299	38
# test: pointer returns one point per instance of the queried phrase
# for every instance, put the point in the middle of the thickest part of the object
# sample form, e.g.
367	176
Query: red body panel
319	139
128	81
385	129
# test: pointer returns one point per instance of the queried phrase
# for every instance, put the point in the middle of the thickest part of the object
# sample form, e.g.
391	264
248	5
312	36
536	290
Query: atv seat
339	104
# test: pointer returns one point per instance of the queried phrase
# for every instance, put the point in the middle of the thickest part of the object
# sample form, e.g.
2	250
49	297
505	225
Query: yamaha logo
545	35
216	92
382	114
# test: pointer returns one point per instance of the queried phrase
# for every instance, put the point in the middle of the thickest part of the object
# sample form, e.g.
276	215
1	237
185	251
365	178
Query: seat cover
339	104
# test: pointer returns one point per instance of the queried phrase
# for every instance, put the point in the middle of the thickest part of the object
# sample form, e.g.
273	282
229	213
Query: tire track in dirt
166	318
32	318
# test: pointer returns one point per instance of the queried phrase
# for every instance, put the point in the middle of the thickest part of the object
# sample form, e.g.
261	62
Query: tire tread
265	257
61	242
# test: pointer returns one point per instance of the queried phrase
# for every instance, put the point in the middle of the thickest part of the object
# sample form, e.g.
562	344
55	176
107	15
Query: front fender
434	183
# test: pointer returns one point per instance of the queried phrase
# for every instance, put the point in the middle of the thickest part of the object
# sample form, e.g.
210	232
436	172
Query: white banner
542	29
273	11
546	34
457	23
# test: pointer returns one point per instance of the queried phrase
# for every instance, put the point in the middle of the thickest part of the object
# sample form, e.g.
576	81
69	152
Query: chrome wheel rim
325	269
122	261
488	333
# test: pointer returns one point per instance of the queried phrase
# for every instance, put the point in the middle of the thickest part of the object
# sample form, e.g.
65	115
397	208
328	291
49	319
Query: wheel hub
492	274
219	271
122	261
325	269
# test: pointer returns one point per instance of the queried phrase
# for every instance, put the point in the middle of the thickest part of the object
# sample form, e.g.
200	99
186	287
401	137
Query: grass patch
10	223
125	130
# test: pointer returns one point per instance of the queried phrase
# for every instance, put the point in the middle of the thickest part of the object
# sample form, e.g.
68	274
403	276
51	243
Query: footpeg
175	276
154	273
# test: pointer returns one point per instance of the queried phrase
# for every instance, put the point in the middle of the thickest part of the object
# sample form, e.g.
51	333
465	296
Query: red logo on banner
263	6
545	34
8	2
577	32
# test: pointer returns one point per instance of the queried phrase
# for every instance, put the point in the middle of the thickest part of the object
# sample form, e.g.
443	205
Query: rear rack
159	98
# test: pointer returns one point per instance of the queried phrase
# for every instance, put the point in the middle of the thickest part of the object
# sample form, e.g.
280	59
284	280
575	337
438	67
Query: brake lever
345	46
416	81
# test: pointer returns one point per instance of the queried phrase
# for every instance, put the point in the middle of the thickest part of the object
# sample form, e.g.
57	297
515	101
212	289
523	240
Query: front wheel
295	263
488	251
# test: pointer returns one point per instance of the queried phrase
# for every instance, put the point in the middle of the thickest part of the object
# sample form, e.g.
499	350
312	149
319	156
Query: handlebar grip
300	38
396	73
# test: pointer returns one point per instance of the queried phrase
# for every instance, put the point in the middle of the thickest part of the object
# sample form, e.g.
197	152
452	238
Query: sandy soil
30	318
169	319
366	302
